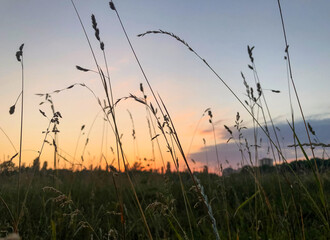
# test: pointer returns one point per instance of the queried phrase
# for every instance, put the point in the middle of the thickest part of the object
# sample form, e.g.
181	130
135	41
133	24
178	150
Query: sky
218	30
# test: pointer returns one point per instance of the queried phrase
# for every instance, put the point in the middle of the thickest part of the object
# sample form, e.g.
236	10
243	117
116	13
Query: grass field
125	201
79	205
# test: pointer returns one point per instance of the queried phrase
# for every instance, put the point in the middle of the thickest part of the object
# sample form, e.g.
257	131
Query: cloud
230	155
220	132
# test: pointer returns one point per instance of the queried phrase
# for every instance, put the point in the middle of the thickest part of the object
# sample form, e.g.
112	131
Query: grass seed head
311	129
259	89
12	110
228	130
112	6
19	53
250	53
82	69
94	24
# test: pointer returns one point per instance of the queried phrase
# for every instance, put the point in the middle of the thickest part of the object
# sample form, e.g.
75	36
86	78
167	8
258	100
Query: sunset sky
218	30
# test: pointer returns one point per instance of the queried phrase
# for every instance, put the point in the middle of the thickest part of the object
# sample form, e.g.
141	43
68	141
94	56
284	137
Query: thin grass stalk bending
171	148
215	140
292	80
11	143
195	131
120	200
268	112
9	211
217	75
158	104
30	183
20	59
95	60
102	139
149	118
135	143
291	109
185	199
118	140
240	101
262	94
209	208
323	199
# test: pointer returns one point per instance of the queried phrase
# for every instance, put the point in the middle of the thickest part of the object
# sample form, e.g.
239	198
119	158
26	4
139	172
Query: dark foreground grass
289	202
84	205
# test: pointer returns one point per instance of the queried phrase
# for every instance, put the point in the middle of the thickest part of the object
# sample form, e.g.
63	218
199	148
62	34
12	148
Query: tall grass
316	173
128	203
19	56
322	214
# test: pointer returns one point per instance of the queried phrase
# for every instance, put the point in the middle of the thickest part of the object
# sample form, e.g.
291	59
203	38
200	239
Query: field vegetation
84	204
286	201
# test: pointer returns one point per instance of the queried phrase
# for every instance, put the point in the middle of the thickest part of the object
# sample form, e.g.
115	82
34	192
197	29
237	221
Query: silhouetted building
265	161
230	170
227	171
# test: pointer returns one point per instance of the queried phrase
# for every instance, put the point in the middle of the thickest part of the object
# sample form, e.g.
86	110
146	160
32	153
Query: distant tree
227	171
168	167
205	169
7	166
23	167
44	166
137	166
36	164
246	169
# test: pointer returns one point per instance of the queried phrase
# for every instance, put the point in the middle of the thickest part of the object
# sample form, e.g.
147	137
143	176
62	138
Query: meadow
124	199
85	205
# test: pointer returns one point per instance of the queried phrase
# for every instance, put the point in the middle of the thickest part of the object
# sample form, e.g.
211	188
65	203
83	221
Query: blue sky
218	30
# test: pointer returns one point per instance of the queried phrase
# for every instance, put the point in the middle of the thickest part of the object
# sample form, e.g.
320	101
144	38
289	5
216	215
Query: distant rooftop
266	161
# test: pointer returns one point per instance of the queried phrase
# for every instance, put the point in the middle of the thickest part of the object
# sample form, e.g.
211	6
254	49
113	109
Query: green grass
288	201
85	204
